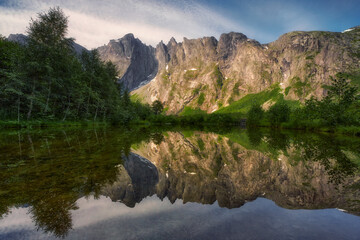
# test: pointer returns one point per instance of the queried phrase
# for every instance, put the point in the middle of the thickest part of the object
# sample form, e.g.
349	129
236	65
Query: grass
191	111
244	104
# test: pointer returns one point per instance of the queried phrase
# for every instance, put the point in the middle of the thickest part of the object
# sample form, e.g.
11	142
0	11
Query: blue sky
93	23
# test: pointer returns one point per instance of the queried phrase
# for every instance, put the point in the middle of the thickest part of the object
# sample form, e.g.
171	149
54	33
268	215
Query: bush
278	113
255	115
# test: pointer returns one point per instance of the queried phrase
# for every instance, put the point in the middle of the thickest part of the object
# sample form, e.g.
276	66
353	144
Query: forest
46	80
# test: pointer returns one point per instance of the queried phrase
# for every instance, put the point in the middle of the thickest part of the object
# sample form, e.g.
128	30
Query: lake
178	183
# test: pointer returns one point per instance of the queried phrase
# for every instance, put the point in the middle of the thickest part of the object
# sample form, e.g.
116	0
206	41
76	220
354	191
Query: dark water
108	183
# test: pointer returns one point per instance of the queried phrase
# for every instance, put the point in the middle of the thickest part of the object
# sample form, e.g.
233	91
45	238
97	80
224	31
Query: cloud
93	23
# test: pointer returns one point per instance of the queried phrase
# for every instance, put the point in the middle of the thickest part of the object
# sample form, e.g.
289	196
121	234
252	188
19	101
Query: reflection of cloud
93	211
18	219
93	24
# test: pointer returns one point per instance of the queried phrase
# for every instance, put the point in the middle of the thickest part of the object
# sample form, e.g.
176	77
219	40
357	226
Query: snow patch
342	210
348	30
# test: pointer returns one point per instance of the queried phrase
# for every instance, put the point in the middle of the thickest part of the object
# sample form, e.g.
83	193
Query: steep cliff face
207	74
136	63
205	168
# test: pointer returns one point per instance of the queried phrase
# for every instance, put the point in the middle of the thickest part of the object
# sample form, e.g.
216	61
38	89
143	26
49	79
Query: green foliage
236	91
191	111
255	115
218	76
244	104
354	77
278	113
201	99
301	88
287	90
339	107
157	107
46	80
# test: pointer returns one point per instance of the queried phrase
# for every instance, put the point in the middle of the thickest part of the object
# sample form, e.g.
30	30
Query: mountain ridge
209	74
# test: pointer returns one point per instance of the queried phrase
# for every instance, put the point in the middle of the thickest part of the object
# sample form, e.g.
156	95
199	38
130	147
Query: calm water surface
109	183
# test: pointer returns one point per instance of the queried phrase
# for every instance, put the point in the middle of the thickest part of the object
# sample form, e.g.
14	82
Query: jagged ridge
206	73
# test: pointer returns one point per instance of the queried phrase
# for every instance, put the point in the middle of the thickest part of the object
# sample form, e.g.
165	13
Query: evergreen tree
157	107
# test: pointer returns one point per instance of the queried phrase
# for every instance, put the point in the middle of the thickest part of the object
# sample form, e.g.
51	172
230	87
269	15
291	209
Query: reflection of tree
278	140
53	169
255	136
52	214
157	137
329	154
324	149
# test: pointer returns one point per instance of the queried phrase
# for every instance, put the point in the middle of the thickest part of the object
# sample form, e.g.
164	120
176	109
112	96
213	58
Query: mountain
136	63
207	167
22	39
210	74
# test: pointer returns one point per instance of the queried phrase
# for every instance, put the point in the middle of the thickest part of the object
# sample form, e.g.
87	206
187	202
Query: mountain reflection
50	170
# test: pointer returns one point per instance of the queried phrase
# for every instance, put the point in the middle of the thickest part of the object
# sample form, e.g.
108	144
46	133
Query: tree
341	92
255	115
157	107
334	108
50	29
49	58
278	113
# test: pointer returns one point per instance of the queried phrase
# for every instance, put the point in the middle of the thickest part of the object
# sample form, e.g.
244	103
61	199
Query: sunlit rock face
227	69
207	167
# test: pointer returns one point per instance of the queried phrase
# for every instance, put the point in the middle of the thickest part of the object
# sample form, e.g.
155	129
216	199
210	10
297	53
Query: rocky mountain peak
136	62
23	39
19	38
228	43
172	42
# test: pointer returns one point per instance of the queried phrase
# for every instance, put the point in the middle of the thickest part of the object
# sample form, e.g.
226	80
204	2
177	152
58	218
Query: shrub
255	115
278	113
201	99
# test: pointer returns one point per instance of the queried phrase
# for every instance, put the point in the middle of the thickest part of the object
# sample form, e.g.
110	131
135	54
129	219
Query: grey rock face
135	61
23	39
18	38
137	179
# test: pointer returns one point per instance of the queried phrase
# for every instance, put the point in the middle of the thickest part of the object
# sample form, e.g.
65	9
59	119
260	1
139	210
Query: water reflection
50	170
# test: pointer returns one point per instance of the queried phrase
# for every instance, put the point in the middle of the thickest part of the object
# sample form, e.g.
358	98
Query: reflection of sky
155	219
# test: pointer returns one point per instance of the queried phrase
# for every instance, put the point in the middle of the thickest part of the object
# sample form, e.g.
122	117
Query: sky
93	23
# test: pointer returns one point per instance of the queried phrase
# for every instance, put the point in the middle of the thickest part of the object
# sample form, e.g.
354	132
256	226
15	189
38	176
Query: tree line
340	107
45	79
